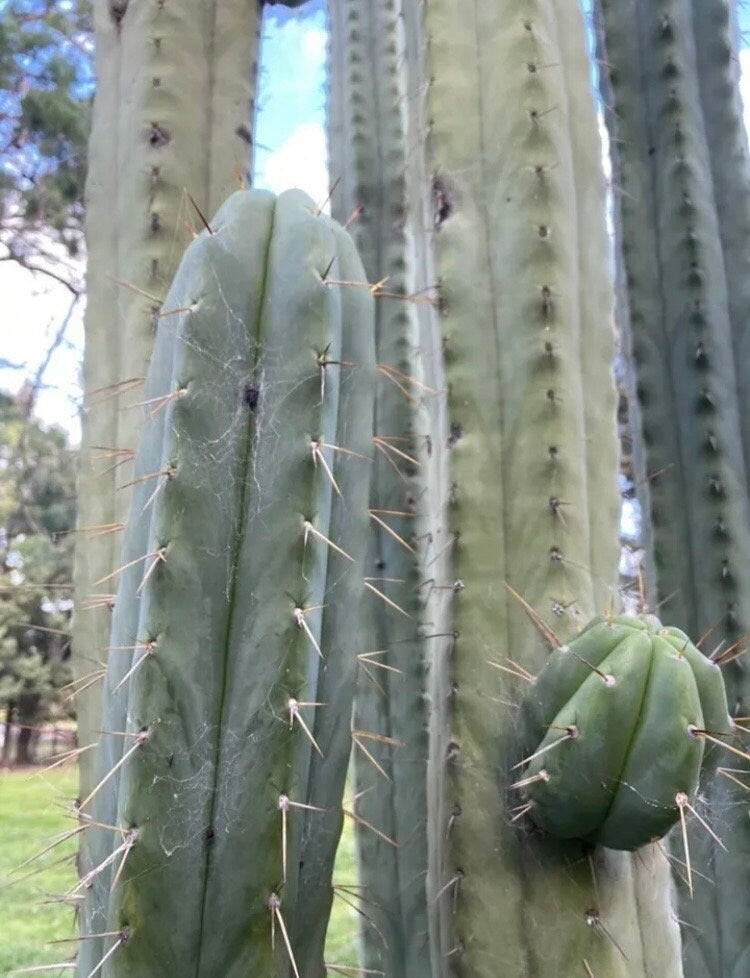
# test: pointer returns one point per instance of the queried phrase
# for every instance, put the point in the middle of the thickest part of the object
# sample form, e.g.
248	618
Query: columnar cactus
232	662
717	62
464	138
521	259
370	168
683	233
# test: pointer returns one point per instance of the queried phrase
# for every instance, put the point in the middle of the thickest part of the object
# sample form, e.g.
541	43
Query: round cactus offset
618	721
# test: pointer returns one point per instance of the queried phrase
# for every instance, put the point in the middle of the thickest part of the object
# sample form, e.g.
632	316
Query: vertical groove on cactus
369	106
508	241
673	103
717	63
173	116
232	670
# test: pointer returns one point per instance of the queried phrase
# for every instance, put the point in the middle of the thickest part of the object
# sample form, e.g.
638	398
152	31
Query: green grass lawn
32	813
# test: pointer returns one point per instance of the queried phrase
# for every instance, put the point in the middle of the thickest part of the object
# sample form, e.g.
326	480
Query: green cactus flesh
508	419
232	666
621	710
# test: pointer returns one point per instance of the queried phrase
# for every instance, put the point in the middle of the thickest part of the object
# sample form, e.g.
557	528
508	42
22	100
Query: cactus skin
369	110
682	260
173	112
613	712
523	500
201	788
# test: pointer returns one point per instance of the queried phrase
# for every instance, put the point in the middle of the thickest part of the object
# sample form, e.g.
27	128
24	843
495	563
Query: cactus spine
173	113
232	671
682	235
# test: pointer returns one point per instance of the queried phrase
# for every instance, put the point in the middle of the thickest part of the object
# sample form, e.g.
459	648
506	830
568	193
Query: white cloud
300	36
300	161
293	65
314	43
291	83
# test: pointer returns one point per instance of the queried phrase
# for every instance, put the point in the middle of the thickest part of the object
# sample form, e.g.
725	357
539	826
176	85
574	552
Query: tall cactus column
683	247
173	114
233	664
370	108
527	349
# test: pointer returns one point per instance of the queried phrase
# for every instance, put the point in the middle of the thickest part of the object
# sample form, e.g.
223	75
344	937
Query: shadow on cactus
616	727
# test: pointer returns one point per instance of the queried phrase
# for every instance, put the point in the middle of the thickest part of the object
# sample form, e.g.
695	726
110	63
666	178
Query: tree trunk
5	757
24	746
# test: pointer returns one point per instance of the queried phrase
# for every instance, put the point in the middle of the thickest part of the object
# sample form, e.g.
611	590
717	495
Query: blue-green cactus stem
617	719
678	319
173	116
249	525
717	63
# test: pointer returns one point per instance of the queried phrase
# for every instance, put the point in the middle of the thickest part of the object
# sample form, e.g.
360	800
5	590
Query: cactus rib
172	116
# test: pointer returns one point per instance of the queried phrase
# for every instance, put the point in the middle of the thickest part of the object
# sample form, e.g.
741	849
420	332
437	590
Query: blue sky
292	73
290	140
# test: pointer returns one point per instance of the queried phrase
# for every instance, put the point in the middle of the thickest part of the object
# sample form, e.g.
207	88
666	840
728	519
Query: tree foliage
37	508
46	84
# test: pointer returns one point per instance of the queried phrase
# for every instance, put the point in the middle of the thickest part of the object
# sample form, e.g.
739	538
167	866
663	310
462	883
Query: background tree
37	507
46	84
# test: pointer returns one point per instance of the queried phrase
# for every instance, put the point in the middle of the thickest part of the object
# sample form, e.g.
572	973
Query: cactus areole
619	718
